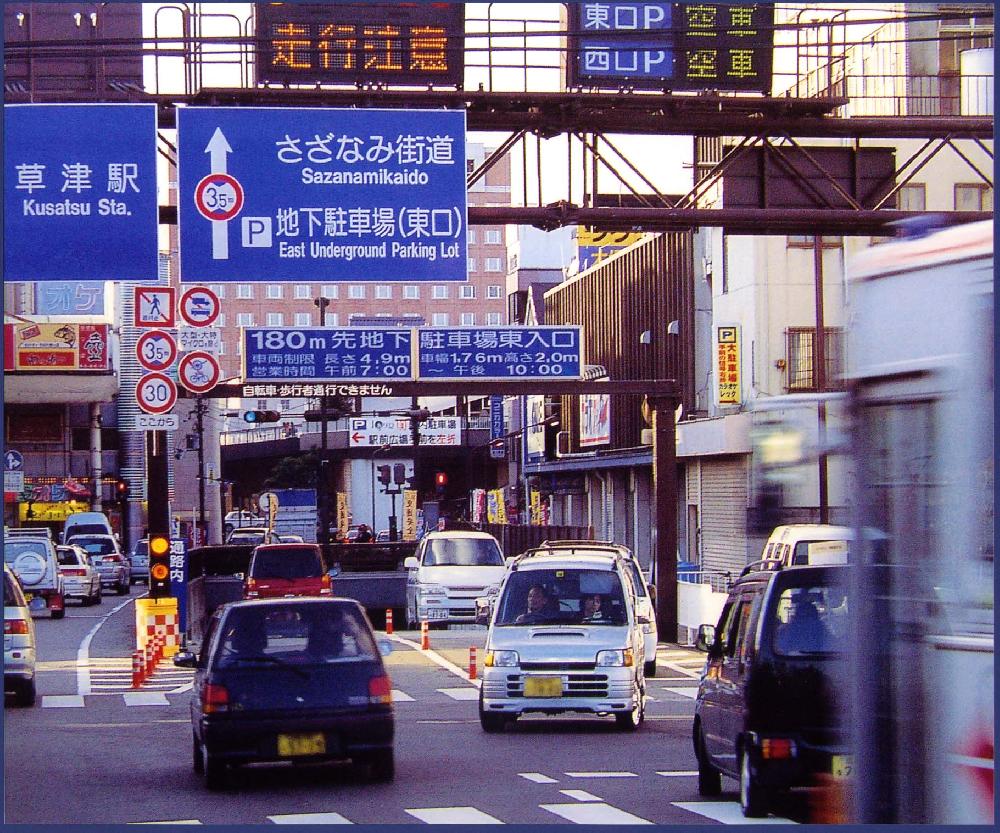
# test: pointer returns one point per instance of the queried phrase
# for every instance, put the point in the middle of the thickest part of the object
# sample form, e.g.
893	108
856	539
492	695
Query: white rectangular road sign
157	422
207	339
395	430
13	481
154	306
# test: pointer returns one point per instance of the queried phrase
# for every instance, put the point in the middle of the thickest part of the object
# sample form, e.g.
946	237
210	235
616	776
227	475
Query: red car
286	570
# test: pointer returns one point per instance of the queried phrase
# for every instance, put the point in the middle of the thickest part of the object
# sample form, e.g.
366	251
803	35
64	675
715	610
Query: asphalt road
109	757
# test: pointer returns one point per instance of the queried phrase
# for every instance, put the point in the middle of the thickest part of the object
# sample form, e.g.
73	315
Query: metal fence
515	539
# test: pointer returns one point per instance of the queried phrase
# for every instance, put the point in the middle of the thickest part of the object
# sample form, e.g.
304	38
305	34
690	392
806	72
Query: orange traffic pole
136	669
425	636
472	662
388	620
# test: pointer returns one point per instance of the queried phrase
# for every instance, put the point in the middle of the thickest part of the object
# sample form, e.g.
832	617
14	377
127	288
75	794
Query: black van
770	702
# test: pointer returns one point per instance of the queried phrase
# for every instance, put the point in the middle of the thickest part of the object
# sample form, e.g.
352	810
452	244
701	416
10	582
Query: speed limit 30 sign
156	393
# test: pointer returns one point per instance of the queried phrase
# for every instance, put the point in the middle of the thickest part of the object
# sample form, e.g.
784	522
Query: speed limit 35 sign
156	393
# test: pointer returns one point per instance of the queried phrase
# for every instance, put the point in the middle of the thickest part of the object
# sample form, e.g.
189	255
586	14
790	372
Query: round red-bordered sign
156	393
198	371
218	197
156	350
199	306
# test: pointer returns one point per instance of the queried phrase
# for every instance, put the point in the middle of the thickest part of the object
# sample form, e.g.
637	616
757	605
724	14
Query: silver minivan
565	636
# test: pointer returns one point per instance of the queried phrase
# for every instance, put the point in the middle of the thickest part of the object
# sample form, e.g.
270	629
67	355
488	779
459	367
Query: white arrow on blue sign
13	461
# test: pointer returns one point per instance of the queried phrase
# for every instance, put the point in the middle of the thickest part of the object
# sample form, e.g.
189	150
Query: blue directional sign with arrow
321	194
13	461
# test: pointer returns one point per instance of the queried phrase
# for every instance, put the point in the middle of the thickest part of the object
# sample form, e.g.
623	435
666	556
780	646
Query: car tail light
15	626
214	699
777	748
250	589
324	585
380	690
56	602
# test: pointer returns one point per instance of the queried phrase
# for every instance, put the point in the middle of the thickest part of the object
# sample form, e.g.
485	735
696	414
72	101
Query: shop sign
56	347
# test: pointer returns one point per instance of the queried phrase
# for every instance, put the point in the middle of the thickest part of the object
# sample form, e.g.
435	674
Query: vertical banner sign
321	194
343	518
80	192
536	507
534	431
179	578
496	427
727	350
595	419
409	514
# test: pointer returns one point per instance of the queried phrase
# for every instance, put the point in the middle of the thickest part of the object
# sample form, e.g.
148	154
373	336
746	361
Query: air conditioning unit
646	436
562	443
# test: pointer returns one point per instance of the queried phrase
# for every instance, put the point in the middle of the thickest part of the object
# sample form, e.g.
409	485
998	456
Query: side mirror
410	562
384	647
705	638
185	659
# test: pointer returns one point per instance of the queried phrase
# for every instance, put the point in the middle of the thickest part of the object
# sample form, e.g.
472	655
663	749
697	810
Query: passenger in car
248	640
326	639
593	609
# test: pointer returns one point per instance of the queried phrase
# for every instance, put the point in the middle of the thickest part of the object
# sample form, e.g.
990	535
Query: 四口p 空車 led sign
671	46
357	43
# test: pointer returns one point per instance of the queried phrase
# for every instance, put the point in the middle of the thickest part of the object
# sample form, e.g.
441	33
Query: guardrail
718	580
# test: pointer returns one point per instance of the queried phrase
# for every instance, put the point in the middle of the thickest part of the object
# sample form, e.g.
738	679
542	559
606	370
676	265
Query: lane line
599	813
400	696
580	795
310	818
62	701
538	778
690	693
179	821
83	653
727	812
679	773
453	815
437	658
461	693
602	775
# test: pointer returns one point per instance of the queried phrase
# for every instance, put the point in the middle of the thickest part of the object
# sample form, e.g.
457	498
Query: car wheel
382	765
649	669
197	762
60	613
753	797
25	694
630	721
123	589
98	595
709	778
490	722
214	770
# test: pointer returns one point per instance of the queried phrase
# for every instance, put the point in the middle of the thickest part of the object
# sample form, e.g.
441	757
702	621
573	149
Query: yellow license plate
842	766
311	744
543	687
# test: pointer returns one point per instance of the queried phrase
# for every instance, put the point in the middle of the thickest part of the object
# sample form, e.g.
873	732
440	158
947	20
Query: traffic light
256	417
384	475
440	481
159	566
121	489
399	474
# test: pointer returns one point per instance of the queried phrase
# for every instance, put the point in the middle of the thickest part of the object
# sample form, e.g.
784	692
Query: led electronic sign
360	43
671	46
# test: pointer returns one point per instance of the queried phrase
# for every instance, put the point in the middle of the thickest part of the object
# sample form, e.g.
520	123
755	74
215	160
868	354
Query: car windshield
301	634
246	538
286	563
85	529
810	620
68	557
96	546
562	597
462	552
12	549
141	548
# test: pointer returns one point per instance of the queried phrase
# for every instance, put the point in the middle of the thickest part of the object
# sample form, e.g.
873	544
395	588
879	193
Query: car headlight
502	659
621	657
432	590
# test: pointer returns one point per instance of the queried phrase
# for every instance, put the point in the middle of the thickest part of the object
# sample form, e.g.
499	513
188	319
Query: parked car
565	636
80	577
769	703
112	566
645	593
239	518
290	680
286	570
446	574
138	561
36	566
86	523
252	535
18	642
382	535
288	538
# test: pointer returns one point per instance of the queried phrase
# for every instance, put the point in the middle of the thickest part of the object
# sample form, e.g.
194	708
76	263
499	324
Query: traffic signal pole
199	409
323	475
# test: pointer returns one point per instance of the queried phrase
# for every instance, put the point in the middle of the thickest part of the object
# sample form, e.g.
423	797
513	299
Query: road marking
310	818
602	775
179	821
436	658
453	815
461	693
685	773
599	813
580	795
445	722
62	701
400	696
690	693
537	778
132	725
83	653
727	812
667	716
145	698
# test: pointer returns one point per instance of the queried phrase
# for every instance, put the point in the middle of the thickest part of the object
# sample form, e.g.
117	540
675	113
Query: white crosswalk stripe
727	812
464	693
453	815
593	813
310	818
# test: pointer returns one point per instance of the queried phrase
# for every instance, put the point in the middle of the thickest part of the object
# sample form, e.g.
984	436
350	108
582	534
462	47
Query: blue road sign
179	578
80	192
13	461
499	353
321	194
324	354
497	451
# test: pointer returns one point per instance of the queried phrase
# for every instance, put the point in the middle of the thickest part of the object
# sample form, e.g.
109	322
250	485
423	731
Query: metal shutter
724	513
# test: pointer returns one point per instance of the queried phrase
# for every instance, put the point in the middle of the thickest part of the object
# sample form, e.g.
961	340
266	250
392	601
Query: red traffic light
441	479
121	488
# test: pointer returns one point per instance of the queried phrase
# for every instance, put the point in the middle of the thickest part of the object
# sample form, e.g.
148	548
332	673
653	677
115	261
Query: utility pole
199	410
819	379
323	475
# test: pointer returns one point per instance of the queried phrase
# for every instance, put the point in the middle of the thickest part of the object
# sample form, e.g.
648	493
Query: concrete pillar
96	467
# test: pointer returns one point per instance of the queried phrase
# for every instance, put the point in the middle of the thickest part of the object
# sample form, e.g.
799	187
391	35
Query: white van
821	544
86	523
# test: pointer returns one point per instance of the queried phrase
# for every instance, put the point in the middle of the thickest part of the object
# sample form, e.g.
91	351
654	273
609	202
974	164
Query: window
275	290
275	319
912	197
800	358
470	236
331	319
411	293
976	196
494	264
383	291
244	319
493	236
356	291
493	291
805	241
439	292
219	289
467	291
493	319
221	320
239	346
222	348
303	319
303	291
244	290
439	319
468	319
329	291
472	264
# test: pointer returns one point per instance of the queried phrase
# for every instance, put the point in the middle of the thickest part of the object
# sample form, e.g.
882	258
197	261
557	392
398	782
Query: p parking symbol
256	232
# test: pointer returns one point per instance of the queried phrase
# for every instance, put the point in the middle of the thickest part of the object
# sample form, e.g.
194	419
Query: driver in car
537	601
